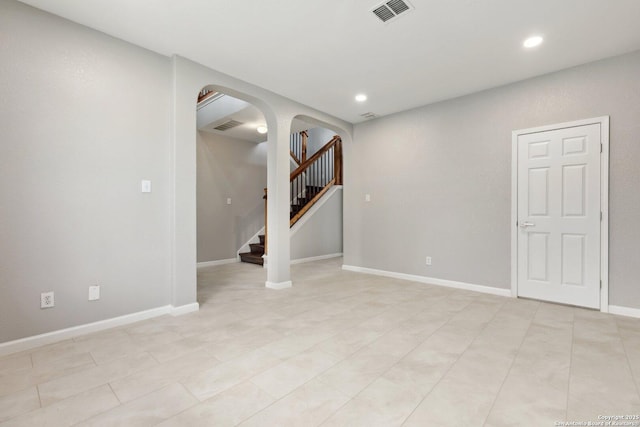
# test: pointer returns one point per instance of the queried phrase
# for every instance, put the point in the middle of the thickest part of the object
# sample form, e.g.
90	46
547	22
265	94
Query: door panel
573	262
538	262
558	210
539	192
573	190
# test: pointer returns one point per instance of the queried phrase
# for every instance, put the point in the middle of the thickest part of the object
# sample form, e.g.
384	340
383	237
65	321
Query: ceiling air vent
391	9
228	125
368	115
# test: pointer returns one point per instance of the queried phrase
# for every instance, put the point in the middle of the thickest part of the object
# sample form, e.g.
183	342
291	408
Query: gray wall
318	137
83	118
440	177
321	232
228	168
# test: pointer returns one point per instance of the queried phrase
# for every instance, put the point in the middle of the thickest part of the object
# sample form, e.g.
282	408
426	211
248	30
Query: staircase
314	177
255	256
308	183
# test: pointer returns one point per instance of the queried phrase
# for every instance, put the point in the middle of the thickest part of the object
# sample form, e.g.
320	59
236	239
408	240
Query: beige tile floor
338	349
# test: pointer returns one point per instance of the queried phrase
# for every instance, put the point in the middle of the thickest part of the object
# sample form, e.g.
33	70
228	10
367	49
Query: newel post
265	220
337	159
304	145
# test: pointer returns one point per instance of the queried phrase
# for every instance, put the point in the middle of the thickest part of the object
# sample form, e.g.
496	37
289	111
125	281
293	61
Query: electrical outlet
428	260
46	300
94	293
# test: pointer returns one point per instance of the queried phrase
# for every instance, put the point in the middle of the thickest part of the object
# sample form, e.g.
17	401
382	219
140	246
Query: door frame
604	201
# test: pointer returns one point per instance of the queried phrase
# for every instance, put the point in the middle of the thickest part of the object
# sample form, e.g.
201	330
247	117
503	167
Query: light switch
94	293
229	201
145	186
367	197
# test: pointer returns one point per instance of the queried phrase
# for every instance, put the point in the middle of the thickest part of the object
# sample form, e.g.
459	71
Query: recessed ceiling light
262	129
532	42
361	97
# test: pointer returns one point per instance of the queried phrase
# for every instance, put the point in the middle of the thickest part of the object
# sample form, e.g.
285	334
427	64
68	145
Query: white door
558	214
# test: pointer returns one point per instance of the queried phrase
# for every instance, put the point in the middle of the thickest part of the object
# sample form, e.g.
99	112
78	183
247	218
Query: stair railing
314	177
205	94
311	180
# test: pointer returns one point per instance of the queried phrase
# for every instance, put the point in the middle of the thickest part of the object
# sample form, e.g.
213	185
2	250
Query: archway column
278	205
182	228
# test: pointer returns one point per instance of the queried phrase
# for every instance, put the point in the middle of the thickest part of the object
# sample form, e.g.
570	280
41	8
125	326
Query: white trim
514	214
624	311
604	208
76	331
431	281
246	247
315	258
184	309
603	121
280	285
576	123
218	262
307	216
209	100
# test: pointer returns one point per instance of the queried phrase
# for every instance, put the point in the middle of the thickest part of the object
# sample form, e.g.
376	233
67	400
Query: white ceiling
250	117
322	52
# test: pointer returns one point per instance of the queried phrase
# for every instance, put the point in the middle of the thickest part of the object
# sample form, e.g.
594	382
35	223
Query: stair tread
251	258
250	255
256	249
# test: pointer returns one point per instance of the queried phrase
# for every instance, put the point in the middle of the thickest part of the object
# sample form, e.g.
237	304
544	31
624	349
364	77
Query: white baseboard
280	285
28	343
315	258
218	262
431	281
624	311
184	309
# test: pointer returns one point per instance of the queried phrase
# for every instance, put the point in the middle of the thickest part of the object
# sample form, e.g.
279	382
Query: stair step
257	248
261	237
251	258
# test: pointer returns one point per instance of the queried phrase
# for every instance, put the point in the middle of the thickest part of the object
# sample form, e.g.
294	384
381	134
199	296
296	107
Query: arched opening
232	165
231	178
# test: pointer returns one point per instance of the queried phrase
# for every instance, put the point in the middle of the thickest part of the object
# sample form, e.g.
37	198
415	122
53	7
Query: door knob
526	224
